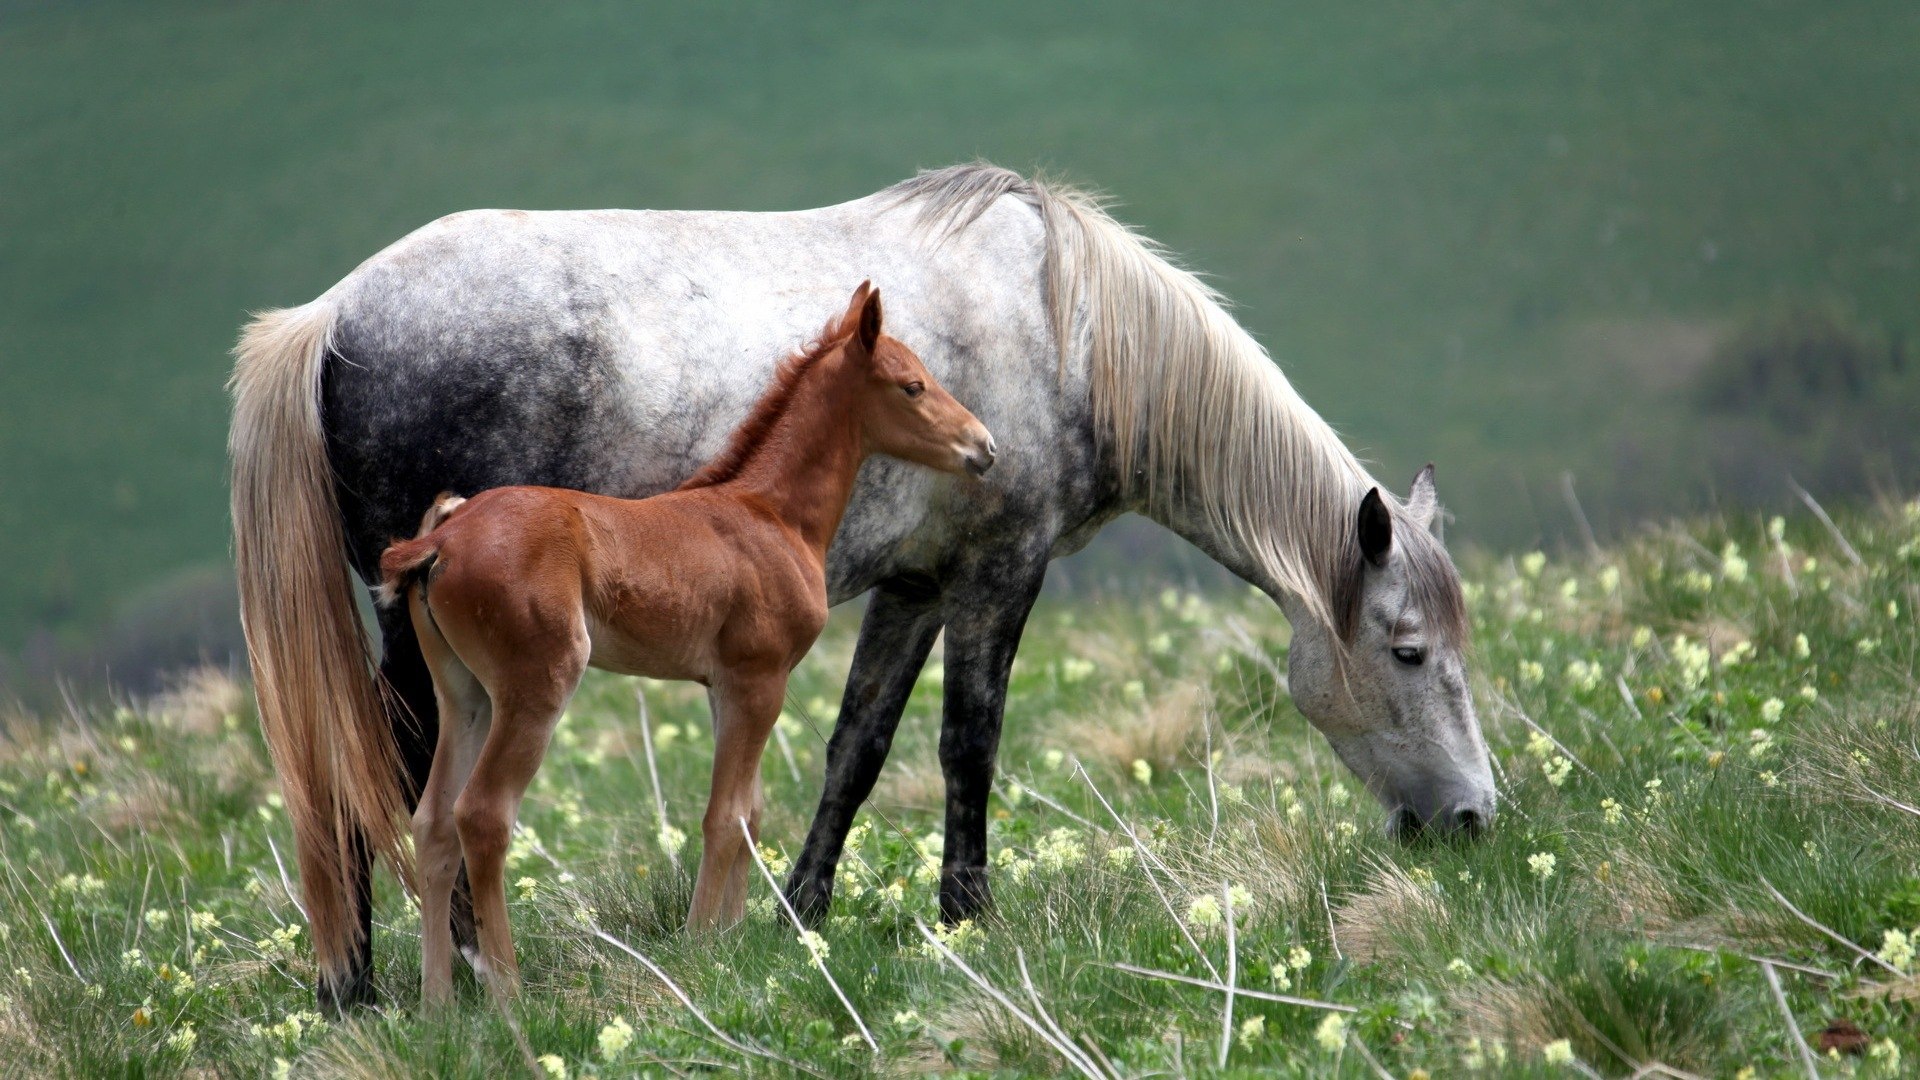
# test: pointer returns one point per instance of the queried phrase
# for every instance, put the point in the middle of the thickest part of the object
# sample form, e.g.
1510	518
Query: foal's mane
1194	413
773	404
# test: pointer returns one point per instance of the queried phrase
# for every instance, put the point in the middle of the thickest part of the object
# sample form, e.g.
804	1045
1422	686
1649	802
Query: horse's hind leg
525	712
745	706
465	713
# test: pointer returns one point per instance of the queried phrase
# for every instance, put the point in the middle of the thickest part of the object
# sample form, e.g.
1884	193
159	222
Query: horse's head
1387	684
903	411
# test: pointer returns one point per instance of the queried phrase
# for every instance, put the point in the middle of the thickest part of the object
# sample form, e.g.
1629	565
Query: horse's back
613	350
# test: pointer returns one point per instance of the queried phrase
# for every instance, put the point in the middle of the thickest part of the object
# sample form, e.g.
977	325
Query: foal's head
902	410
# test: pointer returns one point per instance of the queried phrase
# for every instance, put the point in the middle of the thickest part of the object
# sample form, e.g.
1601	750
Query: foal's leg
901	622
465	713
524	717
984	621
745	706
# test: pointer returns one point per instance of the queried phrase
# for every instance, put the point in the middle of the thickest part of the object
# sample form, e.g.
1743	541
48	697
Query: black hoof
964	895
811	898
338	998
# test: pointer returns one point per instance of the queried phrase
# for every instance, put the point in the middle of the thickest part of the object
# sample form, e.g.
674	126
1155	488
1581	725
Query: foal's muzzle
982	456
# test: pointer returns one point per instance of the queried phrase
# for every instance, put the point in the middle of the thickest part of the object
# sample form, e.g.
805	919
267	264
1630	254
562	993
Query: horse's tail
407	561
321	707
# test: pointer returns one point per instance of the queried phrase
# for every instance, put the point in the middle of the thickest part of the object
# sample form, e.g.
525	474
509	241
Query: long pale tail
320	704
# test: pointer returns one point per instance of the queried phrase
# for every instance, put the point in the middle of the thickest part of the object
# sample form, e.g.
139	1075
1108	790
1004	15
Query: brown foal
516	592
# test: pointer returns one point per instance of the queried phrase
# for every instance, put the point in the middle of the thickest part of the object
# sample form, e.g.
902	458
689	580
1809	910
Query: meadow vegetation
1706	746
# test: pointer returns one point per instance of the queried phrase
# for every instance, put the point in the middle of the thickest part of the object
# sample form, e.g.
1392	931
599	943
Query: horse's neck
804	466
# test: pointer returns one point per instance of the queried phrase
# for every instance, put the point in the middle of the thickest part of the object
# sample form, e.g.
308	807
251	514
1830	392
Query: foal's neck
804	465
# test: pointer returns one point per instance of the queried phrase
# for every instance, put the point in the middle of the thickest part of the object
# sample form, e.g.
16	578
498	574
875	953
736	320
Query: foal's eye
1410	656
915	388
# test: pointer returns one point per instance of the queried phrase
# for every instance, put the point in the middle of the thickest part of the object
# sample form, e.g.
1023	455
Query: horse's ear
1421	500
1375	528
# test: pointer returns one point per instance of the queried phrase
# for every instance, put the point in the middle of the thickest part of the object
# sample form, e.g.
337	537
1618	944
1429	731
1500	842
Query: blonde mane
1198	417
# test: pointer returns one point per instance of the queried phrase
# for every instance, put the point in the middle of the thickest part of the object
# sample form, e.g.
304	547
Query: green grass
1691	757
1488	235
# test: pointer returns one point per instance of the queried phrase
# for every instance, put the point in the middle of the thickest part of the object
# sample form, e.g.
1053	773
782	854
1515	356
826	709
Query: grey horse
612	351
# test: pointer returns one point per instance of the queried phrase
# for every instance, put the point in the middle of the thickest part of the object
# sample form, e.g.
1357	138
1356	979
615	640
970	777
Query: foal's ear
867	331
861	323
1375	528
1421	500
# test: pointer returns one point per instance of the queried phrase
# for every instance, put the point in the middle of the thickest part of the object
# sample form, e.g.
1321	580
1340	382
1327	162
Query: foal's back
674	586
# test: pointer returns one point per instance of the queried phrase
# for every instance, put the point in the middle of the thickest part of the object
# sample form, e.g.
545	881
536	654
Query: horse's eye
1410	656
915	388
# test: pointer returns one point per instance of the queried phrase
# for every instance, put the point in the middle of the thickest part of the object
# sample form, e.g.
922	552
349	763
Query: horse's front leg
901	622
745	703
985	614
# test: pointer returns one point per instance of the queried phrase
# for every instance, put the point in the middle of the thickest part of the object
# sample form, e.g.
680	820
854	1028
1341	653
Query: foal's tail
407	561
320	705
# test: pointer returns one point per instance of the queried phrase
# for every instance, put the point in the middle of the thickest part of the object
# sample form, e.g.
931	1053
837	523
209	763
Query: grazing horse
611	351
516	592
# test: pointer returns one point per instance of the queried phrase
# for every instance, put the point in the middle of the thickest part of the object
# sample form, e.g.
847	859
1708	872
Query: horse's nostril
1405	824
1469	821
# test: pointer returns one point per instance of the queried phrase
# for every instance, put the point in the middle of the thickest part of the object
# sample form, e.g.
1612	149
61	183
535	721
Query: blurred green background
1668	249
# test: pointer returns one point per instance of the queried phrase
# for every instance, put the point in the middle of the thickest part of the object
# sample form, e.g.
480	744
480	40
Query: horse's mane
1201	415
766	412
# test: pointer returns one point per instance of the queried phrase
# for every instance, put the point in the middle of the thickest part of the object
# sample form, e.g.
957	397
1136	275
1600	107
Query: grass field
1703	738
1496	236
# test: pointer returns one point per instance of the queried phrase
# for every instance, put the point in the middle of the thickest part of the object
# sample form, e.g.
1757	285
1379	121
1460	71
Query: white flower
1558	1052
1612	810
1896	948
1808	694
1337	795
1253	1027
1459	967
1204	910
816	945
1298	958
671	839
184	1039
1060	849
1142	771
1732	566
615	1037
156	918
1531	672
1532	563
526	885
1771	709
1556	770
1332	1032
553	1065
1054	759
1542	864
1801	649
1609	579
